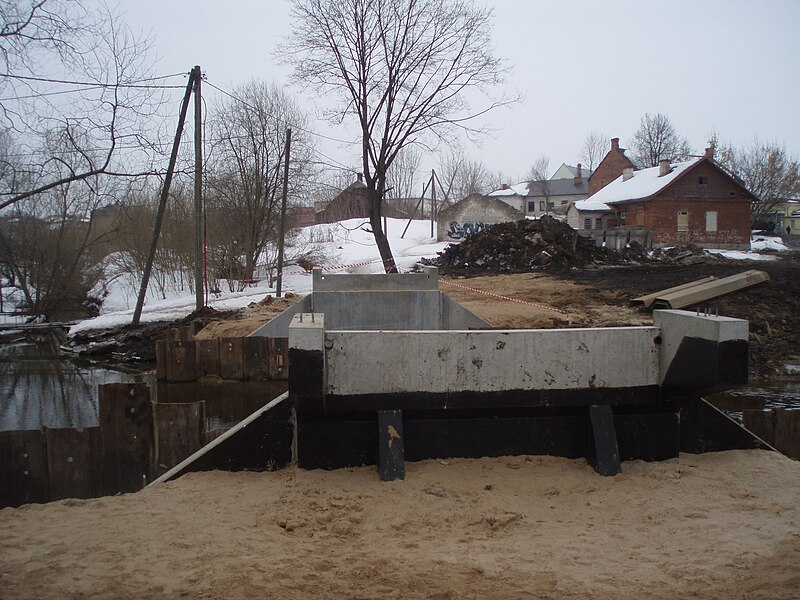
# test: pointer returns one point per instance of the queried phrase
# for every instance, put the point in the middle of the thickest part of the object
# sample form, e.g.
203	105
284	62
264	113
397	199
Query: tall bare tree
767	170
404	69
462	176
657	139
593	150
76	71
246	171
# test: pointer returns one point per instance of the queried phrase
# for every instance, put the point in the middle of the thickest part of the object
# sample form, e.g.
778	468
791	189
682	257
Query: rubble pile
544	244
551	246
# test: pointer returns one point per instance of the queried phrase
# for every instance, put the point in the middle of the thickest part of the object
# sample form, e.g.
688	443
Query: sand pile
723	525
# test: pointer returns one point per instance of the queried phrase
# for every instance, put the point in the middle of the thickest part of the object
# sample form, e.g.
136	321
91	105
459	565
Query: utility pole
433	199
282	231
137	313
198	191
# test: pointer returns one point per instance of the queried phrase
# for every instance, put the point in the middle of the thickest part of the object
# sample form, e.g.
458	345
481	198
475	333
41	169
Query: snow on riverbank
346	246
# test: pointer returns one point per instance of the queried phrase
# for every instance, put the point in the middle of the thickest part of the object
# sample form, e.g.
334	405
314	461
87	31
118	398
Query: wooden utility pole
433	199
198	191
137	314
282	230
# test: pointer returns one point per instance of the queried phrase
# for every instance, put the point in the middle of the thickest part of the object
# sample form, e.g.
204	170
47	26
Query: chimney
503	186
664	167
627	173
615	143
360	177
709	154
578	180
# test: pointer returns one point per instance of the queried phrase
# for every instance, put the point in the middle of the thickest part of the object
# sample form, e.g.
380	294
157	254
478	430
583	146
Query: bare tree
657	139
767	170
403	174
402	68
98	98
539	180
462	176
593	150
246	172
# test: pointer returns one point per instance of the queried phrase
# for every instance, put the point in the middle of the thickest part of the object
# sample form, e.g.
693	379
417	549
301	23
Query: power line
134	84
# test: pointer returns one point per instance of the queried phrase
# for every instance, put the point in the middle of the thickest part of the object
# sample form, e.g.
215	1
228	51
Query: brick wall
717	194
609	168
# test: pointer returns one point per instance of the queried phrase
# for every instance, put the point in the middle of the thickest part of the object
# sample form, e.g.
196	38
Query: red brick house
611	167
691	202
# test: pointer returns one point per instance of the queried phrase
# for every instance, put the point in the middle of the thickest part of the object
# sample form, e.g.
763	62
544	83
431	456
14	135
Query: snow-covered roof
591	205
643	184
518	189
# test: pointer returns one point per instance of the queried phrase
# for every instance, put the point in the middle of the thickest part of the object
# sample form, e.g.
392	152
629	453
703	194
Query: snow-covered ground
348	247
758	243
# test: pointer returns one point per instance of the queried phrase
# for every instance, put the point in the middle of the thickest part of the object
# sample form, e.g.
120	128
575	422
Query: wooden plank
710	290
23	468
231	358
161	359
181	361
649	298
787	432
179	431
178	469
74	462
208	363
391	447
256	358
126	417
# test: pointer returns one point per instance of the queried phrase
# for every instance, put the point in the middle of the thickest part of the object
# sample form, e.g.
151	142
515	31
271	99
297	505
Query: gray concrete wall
362	362
473	214
675	325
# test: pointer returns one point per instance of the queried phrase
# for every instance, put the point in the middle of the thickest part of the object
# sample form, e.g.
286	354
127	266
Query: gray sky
583	65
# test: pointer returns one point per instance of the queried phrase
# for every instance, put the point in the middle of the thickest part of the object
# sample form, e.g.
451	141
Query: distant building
566	171
546	197
473	214
690	202
611	167
353	203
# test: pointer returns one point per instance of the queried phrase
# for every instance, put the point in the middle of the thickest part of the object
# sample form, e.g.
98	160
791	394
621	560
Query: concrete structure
471	215
376	302
608	394
566	171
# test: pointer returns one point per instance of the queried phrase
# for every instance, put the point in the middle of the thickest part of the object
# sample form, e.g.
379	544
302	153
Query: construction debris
701	290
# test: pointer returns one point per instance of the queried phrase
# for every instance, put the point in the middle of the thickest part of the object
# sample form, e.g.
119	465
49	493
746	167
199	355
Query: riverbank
720	525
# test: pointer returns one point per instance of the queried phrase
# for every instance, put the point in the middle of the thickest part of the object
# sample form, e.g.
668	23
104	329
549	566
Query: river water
52	439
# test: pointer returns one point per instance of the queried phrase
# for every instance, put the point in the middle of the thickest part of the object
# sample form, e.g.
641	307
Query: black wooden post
603	453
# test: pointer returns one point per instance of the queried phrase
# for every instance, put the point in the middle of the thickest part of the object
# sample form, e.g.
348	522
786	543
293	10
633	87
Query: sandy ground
724	525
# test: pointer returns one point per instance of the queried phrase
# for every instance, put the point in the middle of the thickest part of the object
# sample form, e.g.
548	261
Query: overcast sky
584	65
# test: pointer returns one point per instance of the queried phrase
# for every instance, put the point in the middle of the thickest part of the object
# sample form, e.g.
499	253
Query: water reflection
58	440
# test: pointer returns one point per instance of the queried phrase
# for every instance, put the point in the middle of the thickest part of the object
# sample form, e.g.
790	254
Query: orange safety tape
499	297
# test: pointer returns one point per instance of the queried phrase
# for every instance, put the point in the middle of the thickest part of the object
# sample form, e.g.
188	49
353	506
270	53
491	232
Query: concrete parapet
701	351
427	280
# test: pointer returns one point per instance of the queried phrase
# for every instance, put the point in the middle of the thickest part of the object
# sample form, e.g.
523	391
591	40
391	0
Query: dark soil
772	308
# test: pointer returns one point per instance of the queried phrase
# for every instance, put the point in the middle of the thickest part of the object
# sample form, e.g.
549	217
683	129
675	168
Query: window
551	205
564	202
711	221
587	223
622	218
683	220
598	223
541	205
531	206
703	180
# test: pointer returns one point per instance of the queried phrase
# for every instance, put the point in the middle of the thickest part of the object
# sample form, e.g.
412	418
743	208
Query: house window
703	180
551	205
564	202
622	218
598	223
683	220
587	223
541	205
531	206
711	221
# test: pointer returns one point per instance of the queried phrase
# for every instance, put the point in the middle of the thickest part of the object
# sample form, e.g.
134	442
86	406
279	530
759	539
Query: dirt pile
545	244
